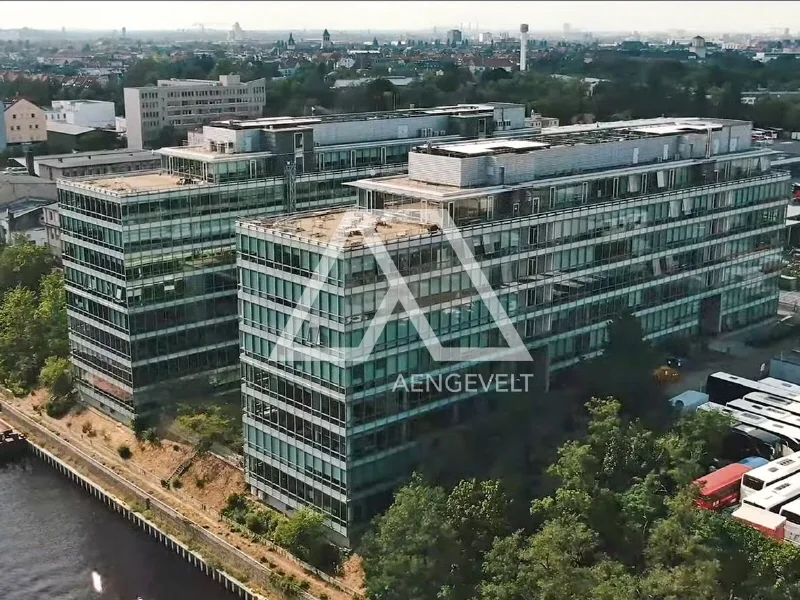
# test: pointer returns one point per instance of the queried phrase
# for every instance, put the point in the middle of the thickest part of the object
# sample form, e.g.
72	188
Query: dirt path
149	465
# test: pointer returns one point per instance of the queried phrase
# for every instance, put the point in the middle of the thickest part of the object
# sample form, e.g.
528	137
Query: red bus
720	489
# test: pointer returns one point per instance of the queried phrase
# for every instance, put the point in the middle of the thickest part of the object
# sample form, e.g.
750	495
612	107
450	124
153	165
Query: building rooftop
101	157
136	183
348	228
67	129
280	122
573	135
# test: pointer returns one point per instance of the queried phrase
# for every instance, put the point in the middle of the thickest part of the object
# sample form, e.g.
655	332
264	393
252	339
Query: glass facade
151	277
690	253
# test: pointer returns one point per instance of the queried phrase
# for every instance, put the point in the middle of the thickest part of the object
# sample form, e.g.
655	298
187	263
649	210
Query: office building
98	114
25	122
187	104
149	257
679	221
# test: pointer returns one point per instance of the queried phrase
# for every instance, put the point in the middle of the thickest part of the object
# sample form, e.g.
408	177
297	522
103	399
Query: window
298	141
13	116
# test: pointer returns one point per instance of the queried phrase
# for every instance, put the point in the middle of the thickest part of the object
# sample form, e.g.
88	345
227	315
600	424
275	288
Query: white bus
776	496
788	433
773	400
769	474
792	527
780	384
724	387
770	412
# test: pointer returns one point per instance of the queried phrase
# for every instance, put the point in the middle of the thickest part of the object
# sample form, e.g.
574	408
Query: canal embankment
214	555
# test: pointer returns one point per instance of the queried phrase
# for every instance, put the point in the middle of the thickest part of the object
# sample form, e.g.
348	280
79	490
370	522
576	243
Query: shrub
88	429
165	484
303	534
323	596
151	435
200	482
58	407
55	375
124	451
304	585
177	484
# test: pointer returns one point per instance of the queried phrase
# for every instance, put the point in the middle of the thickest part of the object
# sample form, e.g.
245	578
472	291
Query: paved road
740	359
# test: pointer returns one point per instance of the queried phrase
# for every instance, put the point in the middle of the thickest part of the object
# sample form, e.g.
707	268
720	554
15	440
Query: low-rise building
85	113
101	162
25	122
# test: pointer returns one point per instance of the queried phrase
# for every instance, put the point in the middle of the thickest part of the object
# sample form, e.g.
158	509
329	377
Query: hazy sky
491	16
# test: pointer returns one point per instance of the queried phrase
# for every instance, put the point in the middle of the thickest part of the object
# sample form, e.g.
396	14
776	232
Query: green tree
410	554
21	340
55	375
23	263
52	314
303	534
625	371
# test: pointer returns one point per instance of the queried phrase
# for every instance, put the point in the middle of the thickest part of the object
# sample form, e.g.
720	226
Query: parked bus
781	385
792	527
789	434
770	412
766	522
770	474
754	461
773	400
721	488
723	387
774	497
745	441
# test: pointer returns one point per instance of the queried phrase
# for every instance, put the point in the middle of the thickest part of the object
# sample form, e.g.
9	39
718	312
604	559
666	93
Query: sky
700	17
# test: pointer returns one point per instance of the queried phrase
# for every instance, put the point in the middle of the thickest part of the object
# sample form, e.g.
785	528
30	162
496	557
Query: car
677	362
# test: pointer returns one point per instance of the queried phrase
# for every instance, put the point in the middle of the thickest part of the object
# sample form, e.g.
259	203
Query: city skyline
542	16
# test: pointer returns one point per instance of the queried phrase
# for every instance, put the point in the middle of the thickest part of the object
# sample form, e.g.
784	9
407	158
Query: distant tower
326	40
523	47
698	46
290	44
124	32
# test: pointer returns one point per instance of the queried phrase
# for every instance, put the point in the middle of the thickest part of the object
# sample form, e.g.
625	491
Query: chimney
29	161
523	47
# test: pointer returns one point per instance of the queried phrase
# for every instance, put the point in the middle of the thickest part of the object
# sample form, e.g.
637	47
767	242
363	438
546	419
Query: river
53	536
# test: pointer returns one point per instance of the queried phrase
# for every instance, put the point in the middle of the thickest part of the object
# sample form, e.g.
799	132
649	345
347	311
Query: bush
323	596
200	483
304	585
59	407
165	484
124	451
303	534
177	484
87	428
55	375
151	435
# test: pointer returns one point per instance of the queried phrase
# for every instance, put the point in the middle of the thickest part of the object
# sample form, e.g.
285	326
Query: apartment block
679	221
25	122
149	257
187	104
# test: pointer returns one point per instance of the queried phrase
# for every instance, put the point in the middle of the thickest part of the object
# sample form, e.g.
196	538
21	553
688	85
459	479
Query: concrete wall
2	127
373	130
448	170
97	113
133	118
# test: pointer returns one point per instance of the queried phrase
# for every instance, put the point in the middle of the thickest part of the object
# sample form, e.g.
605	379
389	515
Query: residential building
188	103
454	37
25	122
52	229
85	113
149	258
24	216
678	220
101	162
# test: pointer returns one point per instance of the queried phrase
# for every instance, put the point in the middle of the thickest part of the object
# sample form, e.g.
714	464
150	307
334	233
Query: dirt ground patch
353	572
219	480
150	464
